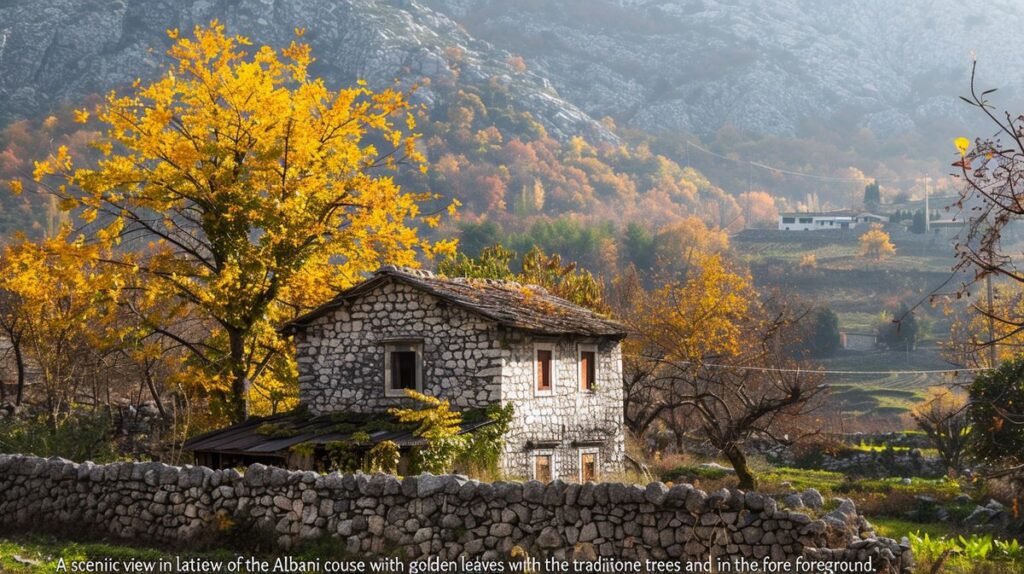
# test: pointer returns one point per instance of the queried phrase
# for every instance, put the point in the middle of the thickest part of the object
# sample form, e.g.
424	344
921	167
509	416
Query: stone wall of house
341	354
574	420
472	362
421	516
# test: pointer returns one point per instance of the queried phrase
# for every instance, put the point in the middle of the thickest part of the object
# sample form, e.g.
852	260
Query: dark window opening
403	370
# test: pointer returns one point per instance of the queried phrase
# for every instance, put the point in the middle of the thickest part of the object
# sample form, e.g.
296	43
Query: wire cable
816	371
791	172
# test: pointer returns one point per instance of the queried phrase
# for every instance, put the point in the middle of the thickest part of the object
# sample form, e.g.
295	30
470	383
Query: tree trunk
156	394
19	361
739	463
237	401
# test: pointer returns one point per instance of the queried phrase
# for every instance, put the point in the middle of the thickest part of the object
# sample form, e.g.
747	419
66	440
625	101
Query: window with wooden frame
403	368
543	368
588	466
588	367
544	466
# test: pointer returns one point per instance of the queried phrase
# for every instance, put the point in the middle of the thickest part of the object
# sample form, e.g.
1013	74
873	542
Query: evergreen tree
872	195
639	244
823	332
918	226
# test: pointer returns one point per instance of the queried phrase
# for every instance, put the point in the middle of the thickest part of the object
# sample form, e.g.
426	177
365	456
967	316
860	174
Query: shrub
439	426
976	553
686	473
383	457
83	435
997	409
485	444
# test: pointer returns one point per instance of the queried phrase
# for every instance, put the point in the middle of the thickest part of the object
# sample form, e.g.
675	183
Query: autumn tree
942	417
759	209
248	190
55	293
977	339
678	243
565	280
709	360
991	203
13	324
875	243
439	426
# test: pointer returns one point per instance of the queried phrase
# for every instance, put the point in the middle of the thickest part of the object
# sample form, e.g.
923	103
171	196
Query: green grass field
885	395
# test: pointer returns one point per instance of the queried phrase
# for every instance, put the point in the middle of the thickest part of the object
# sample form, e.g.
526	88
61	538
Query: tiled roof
526	307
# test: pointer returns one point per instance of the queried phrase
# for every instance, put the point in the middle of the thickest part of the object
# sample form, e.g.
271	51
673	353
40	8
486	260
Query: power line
817	371
771	168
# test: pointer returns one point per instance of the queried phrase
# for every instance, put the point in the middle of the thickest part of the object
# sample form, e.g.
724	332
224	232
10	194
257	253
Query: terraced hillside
827	269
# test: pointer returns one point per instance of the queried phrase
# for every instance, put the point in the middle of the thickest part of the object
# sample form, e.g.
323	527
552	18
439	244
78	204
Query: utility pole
927	210
750	189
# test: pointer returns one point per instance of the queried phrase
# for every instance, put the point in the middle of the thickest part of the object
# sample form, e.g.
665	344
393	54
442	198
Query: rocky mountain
765	66
692	66
55	52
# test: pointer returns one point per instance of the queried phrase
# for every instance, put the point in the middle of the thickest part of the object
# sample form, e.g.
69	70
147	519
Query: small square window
403	368
544	466
588	368
588	466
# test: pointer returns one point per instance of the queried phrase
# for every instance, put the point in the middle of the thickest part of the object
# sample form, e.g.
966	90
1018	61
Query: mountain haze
765	66
659	65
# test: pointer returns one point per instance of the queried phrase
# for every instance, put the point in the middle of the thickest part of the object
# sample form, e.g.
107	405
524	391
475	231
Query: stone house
472	342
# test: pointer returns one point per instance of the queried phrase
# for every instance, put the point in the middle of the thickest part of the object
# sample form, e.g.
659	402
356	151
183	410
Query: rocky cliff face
660	65
764	66
58	51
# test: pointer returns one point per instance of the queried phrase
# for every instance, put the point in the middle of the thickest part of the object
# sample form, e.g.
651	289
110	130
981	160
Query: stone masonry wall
341	355
472	362
421	516
576	420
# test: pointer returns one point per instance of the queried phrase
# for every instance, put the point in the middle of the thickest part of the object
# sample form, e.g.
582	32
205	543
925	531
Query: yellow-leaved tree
242	191
54	296
439	426
985	331
875	243
702	316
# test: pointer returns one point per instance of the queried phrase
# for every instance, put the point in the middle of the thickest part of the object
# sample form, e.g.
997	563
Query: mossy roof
277	433
524	307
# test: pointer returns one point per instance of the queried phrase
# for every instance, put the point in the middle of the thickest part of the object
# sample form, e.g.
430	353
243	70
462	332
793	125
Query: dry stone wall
427	516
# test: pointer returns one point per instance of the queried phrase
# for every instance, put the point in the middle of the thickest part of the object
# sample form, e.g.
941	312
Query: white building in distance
827	221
